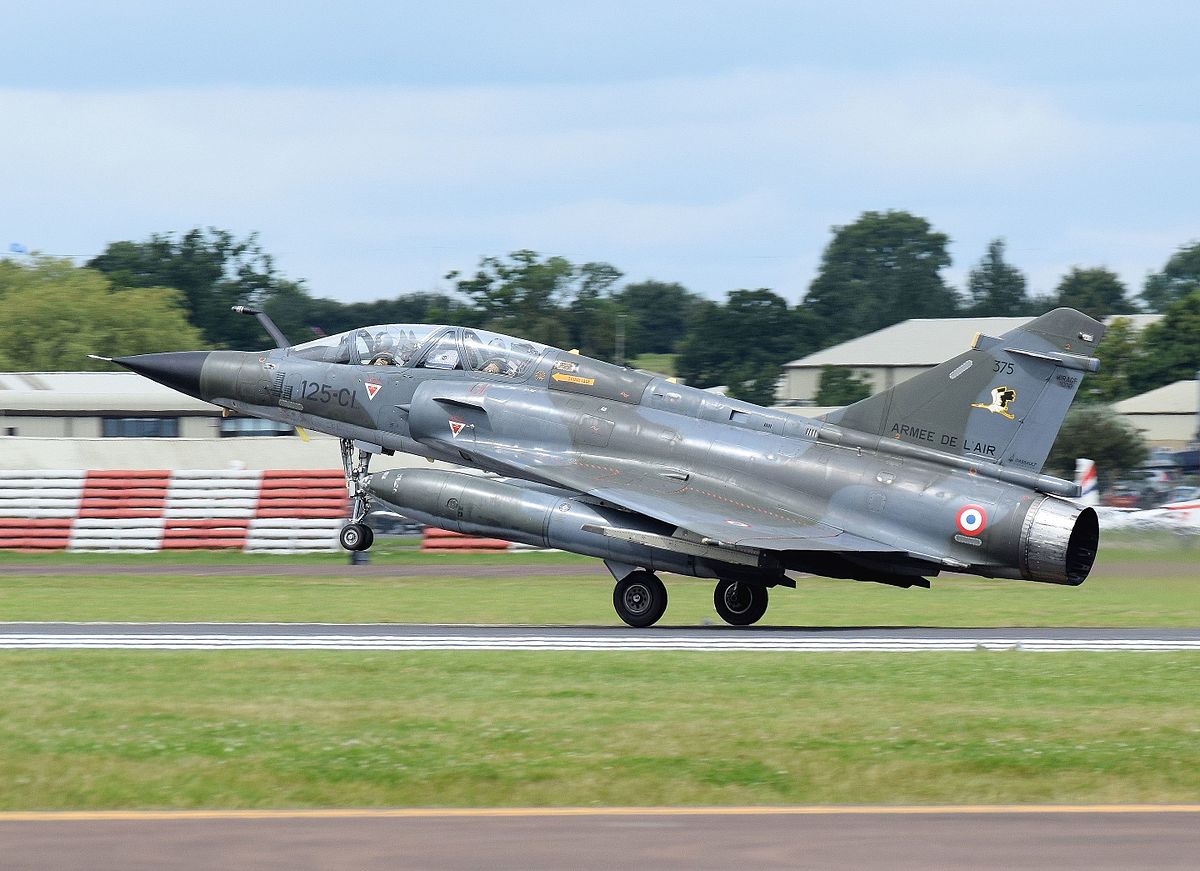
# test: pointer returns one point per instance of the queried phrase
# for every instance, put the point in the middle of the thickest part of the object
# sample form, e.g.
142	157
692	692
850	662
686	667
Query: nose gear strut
356	535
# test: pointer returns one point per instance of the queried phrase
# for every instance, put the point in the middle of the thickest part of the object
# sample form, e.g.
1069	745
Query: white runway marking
557	642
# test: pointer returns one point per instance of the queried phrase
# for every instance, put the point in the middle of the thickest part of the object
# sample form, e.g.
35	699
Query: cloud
733	174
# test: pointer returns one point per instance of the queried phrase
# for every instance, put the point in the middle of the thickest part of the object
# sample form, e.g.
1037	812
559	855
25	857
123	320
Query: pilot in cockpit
383	350
496	361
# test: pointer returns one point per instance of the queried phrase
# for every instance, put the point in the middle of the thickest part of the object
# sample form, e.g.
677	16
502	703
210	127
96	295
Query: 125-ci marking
314	390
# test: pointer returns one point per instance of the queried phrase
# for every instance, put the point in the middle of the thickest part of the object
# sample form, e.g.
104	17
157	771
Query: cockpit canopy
425	346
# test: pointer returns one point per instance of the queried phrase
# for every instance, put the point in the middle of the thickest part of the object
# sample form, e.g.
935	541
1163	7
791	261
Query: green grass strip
340	595
116	729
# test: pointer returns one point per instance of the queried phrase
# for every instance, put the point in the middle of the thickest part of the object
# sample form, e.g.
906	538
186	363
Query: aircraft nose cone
179	370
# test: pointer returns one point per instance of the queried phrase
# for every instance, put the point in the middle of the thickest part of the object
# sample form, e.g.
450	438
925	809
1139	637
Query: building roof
58	392
915	342
922	341
1182	397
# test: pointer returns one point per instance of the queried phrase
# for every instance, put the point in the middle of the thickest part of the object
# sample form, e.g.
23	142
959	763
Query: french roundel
971	520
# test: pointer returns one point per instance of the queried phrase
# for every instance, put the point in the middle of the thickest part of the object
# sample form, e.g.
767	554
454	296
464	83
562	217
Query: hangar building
894	354
1168	416
119	420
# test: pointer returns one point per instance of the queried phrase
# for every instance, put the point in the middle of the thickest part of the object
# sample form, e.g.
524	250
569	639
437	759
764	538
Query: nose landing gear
356	535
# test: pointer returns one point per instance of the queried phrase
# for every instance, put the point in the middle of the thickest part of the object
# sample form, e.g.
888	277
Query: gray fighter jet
941	472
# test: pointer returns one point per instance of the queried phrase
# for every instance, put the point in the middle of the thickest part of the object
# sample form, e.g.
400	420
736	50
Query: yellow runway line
533	812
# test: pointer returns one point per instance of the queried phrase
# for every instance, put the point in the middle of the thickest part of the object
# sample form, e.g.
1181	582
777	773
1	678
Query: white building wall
278	452
801	383
91	426
1165	430
200	427
50	426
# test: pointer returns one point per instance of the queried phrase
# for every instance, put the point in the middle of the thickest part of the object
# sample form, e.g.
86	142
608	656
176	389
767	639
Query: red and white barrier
275	511
436	540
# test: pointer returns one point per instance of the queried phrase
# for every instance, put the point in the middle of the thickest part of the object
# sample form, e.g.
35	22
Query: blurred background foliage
173	291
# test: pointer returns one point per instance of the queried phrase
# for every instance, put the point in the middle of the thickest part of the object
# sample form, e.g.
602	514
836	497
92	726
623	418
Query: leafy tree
704	356
1179	277
882	269
1099	433
527	295
592	314
1039	305
754	382
657	315
1117	352
55	314
1097	292
744	343
840	386
212	269
997	289
523	285
1170	349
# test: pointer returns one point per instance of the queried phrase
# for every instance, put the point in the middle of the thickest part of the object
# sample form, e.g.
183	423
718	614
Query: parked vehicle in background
1123	495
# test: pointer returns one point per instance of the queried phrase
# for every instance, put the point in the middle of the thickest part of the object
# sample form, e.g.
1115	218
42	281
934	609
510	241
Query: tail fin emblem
1001	398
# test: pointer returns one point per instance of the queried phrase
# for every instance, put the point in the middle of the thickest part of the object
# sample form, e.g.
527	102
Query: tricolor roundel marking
971	520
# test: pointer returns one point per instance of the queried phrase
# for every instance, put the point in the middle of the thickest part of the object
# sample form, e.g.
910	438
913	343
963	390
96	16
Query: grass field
116	729
1130	587
125	729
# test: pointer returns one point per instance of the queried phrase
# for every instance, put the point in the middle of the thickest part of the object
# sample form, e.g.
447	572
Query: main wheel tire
640	599
356	536
739	603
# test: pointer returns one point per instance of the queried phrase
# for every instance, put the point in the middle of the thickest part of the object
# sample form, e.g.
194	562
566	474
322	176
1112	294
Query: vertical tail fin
1002	401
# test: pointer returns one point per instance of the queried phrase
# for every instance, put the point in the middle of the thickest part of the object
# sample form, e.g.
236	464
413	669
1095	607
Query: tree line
175	291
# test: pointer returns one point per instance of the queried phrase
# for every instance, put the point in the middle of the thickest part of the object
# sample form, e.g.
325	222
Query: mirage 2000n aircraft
941	472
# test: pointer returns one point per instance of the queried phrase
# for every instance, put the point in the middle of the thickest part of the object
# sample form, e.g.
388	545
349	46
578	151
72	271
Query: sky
376	146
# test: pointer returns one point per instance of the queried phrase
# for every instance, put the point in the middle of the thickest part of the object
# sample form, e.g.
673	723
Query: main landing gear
356	535
639	597
740	603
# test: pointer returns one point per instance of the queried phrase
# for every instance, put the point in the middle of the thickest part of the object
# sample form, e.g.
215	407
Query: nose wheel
356	535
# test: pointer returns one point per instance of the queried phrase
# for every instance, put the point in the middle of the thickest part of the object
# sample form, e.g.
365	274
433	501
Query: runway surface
400	636
912	838
519	569
520	566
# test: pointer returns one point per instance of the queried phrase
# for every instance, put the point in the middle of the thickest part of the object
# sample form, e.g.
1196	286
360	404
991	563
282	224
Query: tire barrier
435	540
271	511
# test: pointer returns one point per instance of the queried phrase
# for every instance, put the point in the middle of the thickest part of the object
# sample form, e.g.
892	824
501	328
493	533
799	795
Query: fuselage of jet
647	472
